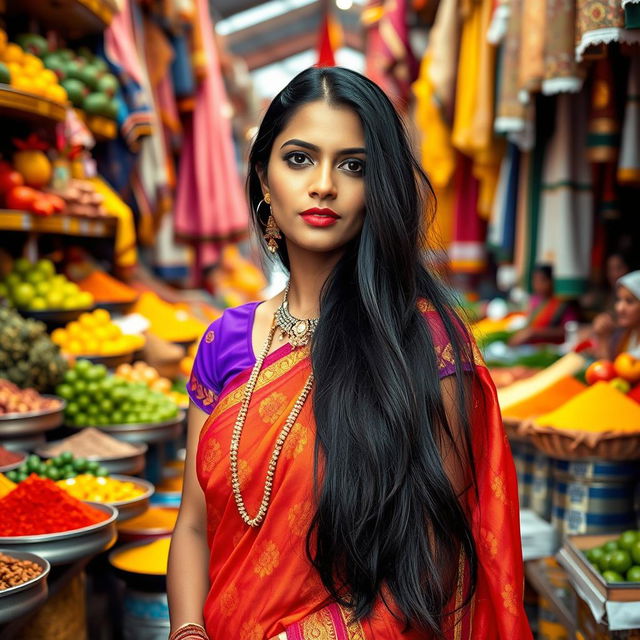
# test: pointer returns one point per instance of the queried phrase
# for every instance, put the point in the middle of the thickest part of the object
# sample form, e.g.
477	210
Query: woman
347	475
622	334
547	315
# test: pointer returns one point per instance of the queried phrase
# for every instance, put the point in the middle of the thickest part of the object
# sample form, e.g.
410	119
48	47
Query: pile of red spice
8	457
38	505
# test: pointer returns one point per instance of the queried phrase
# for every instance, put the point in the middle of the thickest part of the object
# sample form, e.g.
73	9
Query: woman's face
616	268
627	309
315	177
541	284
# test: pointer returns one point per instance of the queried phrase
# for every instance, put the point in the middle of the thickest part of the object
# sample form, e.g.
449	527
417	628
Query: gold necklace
237	432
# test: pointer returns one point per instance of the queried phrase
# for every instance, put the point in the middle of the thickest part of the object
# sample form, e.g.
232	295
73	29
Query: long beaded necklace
237	433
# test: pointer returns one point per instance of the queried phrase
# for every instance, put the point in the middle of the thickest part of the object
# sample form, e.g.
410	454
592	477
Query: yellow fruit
74	347
21	83
49	77
13	53
163	385
101	334
3	42
113	331
32	62
59	337
102	316
56	93
74	329
38	86
15	69
91	347
87	320
34	166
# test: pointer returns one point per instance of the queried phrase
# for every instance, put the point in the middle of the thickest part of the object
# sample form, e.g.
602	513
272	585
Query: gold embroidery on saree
272	407
267	375
268	559
206	395
319	626
354	628
299	518
458	613
251	630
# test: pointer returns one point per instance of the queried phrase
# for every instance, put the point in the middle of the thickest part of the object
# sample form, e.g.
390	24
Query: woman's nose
323	184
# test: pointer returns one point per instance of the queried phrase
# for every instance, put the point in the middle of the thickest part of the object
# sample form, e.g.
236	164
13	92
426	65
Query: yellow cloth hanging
126	254
474	109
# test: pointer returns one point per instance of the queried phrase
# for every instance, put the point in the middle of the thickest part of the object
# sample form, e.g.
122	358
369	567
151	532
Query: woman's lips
320	217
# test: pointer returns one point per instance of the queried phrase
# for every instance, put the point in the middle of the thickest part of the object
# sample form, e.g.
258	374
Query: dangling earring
272	233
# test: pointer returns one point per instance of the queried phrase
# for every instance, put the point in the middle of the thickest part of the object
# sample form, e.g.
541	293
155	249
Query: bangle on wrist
189	631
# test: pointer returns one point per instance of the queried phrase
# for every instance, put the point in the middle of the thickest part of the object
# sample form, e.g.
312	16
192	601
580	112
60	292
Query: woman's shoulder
443	340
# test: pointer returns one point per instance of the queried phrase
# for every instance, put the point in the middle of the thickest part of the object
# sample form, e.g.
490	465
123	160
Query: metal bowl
55	317
31	422
147	582
128	509
111	362
130	464
117	308
68	546
14	465
23	598
150	432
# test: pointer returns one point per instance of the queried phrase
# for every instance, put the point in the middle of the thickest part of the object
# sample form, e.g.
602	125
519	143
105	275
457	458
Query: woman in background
347	474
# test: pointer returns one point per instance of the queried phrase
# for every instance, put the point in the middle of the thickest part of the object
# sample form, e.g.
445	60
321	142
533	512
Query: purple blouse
224	351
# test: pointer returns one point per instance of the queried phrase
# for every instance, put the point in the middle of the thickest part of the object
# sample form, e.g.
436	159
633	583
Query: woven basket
577	445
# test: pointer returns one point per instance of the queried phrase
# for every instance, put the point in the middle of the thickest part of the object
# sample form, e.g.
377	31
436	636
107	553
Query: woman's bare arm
187	577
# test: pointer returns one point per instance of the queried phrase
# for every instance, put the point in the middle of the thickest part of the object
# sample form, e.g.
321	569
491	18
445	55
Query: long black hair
388	522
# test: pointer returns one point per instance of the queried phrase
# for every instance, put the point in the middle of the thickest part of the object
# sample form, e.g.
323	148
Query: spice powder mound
37	506
14	572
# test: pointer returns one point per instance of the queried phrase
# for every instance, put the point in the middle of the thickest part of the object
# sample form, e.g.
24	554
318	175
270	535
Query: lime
70	376
106	405
57	462
38	304
80	386
22	265
66	457
33	463
80	464
620	561
612	545
83	401
55	299
635	552
92	465
116	417
53	473
81	419
626	540
42	289
23	293
93	388
65	391
612	576
606	559
46	268
72	409
633	575
34	277
83	367
102	472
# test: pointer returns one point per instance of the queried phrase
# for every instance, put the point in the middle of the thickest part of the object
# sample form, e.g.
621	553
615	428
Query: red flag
326	42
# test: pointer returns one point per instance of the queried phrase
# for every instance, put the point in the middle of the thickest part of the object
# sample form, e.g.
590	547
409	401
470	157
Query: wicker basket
575	445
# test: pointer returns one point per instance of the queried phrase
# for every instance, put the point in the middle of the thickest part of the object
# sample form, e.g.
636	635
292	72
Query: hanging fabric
629	164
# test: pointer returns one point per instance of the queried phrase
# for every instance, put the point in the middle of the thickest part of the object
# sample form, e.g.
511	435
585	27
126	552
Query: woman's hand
603	325
280	636
521	337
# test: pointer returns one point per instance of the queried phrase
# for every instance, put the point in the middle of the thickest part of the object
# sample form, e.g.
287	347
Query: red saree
261	581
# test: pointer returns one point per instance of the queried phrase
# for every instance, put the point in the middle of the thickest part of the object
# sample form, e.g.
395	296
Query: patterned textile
565	227
601	22
561	72
261	582
534	28
629	164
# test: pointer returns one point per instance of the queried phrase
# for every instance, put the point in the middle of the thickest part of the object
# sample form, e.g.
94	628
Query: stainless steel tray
128	509
147	432
130	464
32	422
23	598
14	465
69	546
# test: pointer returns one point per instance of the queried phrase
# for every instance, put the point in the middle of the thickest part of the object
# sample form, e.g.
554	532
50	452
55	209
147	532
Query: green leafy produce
96	398
28	357
61	467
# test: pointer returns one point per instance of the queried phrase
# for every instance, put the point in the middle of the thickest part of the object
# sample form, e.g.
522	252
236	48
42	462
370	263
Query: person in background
614	337
547	312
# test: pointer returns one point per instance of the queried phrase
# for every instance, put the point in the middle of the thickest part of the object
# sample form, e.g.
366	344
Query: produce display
94	334
167	322
622	373
150	558
96	398
63	466
28	358
37	287
186	364
105	288
16	400
618	560
92	443
545	400
38	506
21	66
14	572
5	485
142	372
599	408
81	199
109	490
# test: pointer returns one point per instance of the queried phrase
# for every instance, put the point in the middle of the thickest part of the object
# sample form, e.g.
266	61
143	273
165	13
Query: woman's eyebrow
295	142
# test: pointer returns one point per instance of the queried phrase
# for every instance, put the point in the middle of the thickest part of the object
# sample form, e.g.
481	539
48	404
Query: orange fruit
74	347
56	93
74	329
102	316
13	52
59	337
49	77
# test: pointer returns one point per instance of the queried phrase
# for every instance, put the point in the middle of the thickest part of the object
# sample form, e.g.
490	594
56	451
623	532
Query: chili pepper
38	506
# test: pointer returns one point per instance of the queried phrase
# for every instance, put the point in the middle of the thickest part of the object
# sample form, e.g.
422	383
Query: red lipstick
320	217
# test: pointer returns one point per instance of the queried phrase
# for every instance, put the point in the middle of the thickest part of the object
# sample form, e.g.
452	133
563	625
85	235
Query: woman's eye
353	165
297	159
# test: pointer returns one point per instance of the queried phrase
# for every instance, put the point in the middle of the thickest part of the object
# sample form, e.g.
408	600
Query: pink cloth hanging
210	207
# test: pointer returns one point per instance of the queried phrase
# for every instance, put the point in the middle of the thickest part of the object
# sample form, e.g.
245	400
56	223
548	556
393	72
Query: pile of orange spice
599	408
105	288
546	400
